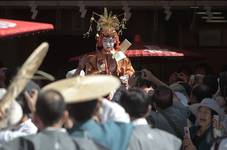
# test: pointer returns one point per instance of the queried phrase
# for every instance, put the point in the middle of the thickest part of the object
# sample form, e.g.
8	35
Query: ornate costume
108	59
99	63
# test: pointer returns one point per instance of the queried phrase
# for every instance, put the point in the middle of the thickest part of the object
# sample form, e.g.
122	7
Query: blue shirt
112	135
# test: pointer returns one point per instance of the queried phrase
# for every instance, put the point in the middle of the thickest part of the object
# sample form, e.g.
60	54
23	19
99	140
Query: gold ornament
107	23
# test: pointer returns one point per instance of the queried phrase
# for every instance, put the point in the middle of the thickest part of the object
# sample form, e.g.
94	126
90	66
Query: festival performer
109	58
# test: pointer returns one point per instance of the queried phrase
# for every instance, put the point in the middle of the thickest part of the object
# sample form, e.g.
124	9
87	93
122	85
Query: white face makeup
108	43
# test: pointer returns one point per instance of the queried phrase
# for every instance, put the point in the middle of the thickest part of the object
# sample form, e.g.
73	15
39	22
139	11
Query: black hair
185	69
213	113
207	68
135	101
50	107
200	92
187	87
163	97
211	82
118	93
83	111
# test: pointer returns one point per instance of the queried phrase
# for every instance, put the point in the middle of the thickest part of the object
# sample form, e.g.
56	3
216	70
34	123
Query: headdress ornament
107	24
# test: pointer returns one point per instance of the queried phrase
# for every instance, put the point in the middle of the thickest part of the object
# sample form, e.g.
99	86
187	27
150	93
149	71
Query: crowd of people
111	106
83	113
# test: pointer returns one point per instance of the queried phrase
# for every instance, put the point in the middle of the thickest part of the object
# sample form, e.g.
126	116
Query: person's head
200	92
135	102
196	79
203	69
108	41
205	111
84	111
50	109
83	94
163	97
186	71
178	77
212	82
107	37
173	78
204	116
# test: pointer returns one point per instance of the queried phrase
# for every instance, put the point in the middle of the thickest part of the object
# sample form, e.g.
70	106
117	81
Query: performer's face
108	44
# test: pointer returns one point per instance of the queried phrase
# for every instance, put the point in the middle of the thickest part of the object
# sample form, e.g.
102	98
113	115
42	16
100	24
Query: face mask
108	43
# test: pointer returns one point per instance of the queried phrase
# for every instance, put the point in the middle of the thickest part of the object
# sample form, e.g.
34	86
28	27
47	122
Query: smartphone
187	132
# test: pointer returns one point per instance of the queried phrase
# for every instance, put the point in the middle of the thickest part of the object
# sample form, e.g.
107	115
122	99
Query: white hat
223	145
207	102
82	89
13	114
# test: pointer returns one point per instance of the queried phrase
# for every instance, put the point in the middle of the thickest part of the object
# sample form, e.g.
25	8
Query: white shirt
139	121
113	111
56	129
183	99
25	128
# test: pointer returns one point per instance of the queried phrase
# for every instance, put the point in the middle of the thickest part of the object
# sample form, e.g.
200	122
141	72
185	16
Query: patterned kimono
98	63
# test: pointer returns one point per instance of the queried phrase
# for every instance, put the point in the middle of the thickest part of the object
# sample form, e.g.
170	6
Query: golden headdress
107	24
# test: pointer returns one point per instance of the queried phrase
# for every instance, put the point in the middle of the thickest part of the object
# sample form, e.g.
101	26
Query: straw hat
24	75
83	89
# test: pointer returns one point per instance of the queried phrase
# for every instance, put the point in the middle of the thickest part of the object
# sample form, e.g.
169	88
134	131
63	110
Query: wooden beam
101	3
